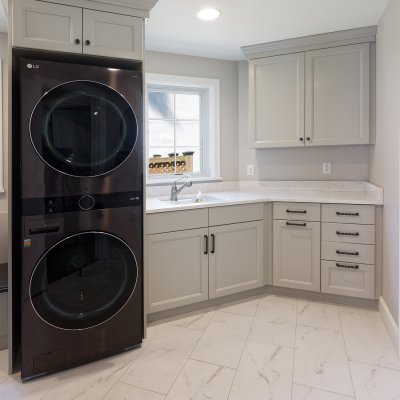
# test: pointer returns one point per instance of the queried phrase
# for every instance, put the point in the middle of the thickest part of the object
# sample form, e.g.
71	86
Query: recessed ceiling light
208	14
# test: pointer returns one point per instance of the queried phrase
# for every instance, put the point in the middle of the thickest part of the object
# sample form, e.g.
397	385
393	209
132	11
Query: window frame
2	158
211	124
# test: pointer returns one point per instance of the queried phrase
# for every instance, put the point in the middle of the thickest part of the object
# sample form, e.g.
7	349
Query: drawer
348	214
234	214
177	221
297	211
348	233
348	252
349	279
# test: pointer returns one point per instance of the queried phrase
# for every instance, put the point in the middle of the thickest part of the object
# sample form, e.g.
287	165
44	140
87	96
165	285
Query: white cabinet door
277	101
296	258
112	35
337	96
47	26
178	269
236	258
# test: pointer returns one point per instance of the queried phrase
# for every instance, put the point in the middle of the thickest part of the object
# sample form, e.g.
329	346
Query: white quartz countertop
245	193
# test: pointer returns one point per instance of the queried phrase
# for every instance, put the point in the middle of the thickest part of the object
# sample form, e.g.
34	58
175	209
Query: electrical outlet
327	168
250	170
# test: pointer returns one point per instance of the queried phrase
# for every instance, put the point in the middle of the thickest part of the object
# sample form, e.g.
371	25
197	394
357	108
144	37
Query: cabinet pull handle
293	224
347	233
77	41
206	244
296	211
347	266
87	42
344	214
347	253
212	243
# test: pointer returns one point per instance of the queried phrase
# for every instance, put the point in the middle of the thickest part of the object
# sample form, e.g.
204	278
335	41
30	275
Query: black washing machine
81	282
78	212
81	129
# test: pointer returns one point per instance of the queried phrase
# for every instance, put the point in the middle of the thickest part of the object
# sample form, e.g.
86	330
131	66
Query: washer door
83	128
83	280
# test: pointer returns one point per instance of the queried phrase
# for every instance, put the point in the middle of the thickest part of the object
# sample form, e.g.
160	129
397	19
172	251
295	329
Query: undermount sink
192	199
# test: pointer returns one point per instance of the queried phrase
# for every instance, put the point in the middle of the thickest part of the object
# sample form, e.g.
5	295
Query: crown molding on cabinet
313	42
138	8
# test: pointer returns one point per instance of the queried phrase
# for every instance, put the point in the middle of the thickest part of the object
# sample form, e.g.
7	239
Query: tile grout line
245	343
189	357
345	349
294	348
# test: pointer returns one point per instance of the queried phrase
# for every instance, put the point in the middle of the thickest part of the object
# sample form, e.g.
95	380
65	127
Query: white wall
3	196
226	72
348	162
384	156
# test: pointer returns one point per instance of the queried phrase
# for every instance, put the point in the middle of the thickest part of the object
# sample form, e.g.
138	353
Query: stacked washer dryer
81	191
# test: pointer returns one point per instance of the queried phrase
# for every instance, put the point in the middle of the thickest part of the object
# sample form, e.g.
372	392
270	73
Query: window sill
167	182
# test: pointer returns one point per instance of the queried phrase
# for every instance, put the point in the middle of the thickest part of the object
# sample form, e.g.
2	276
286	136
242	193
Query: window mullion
175	133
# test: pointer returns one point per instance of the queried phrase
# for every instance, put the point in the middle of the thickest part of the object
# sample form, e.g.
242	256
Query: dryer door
83	280
83	128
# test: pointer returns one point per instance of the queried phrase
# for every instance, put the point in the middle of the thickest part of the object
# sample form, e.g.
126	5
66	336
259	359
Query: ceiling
174	28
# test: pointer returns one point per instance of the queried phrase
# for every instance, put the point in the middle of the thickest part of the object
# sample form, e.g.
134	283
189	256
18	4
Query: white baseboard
389	322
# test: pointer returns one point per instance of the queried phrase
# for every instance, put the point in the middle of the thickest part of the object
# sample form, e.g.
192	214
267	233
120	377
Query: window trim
212	107
2	158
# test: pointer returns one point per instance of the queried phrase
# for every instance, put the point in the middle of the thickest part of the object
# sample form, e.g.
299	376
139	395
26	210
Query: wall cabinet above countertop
312	92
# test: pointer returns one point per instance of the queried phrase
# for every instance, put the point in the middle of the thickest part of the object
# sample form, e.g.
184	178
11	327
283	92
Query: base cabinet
236	258
194	264
178	268
296	256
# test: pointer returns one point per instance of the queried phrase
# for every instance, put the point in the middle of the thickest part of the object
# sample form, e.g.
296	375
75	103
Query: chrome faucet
174	189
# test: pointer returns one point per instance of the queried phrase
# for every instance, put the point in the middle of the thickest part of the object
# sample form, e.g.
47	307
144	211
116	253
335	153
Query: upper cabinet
65	28
337	96
47	26
312	91
277	101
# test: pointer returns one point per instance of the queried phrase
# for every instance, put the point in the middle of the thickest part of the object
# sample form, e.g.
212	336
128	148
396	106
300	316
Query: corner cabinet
57	27
221	254
317	97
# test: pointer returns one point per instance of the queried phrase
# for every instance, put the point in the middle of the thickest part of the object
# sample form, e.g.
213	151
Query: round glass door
83	128
83	280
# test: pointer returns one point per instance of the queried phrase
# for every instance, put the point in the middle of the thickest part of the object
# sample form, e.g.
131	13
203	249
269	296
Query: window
183	127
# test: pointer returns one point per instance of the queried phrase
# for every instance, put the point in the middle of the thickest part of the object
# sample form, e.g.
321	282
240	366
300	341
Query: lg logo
32	66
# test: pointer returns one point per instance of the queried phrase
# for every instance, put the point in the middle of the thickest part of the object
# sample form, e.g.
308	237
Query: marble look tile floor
265	347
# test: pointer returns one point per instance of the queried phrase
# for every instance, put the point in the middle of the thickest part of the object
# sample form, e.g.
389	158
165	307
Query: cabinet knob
301	139
308	138
87	42
77	41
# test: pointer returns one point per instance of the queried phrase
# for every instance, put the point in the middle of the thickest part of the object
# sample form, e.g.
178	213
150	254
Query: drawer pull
296	211
347	233
347	253
293	224
206	244
347	266
343	214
